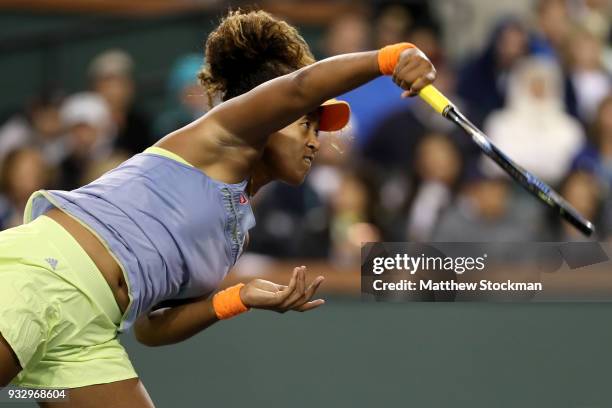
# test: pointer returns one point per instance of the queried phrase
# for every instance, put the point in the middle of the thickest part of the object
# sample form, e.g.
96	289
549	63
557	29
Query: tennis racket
530	182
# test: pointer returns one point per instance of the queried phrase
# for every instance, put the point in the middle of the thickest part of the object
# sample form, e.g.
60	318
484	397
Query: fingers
308	294
421	83
313	287
310	305
413	72
284	294
413	80
299	291
296	296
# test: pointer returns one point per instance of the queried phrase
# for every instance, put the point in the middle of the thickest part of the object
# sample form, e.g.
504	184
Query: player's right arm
253	116
226	141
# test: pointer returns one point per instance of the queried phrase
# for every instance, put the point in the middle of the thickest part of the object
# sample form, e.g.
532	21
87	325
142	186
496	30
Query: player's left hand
413	71
263	294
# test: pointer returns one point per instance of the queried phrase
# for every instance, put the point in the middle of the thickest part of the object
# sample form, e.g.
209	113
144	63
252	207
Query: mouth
309	160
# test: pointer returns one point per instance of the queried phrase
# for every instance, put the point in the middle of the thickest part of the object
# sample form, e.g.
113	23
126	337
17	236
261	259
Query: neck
259	178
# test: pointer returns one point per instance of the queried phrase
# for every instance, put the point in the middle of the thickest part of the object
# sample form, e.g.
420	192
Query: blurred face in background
554	21
26	172
437	159
585	51
46	121
582	191
392	26
83	137
117	90
349	33
426	40
535	86
489	198
351	197
511	45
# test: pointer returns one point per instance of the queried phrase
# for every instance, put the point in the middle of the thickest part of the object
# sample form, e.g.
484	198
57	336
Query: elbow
144	334
146	340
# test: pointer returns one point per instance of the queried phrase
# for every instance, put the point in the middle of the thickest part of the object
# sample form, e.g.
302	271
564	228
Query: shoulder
198	142
207	145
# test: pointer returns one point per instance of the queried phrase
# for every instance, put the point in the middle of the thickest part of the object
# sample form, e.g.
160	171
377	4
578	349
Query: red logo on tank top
243	199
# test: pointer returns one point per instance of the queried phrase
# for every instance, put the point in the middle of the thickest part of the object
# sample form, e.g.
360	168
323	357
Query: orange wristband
227	303
388	56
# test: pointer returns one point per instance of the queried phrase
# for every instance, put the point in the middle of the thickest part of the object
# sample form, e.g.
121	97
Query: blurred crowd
541	88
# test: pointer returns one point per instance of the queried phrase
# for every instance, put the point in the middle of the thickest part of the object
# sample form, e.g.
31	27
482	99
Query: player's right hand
263	294
413	71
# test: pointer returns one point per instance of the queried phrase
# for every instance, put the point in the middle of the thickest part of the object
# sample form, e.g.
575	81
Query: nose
313	143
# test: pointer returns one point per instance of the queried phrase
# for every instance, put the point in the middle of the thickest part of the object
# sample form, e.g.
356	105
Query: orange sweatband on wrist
227	303
388	56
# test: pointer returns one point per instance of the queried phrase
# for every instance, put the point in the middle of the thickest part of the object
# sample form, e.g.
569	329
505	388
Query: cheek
283	151
275	151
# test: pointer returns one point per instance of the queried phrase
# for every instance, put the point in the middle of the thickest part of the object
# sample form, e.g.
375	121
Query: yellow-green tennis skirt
56	310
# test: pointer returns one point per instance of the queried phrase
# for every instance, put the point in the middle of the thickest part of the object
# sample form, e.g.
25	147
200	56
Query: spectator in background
438	166
589	79
23	171
372	102
392	25
482	81
484	211
596	156
595	14
111	76
352	219
39	126
553	25
348	33
292	222
90	136
534	125
582	191
427	39
186	98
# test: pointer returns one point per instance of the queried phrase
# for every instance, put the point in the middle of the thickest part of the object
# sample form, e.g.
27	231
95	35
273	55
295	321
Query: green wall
354	354
39	49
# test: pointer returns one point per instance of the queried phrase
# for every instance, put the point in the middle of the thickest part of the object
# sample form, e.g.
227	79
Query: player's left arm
171	325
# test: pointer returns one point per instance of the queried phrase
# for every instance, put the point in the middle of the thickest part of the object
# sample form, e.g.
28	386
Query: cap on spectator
86	108
184	72
113	62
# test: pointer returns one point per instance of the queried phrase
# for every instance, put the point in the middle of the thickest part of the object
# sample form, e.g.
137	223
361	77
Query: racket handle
434	98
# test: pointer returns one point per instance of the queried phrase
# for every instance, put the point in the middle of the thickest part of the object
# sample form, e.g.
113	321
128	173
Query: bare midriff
103	259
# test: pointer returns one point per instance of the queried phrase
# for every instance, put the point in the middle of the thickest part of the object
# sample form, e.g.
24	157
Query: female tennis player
148	243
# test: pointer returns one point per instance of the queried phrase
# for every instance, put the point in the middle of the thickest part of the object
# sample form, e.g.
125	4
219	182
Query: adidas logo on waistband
52	262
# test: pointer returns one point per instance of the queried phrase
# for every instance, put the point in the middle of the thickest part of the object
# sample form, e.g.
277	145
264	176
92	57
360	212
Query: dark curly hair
249	48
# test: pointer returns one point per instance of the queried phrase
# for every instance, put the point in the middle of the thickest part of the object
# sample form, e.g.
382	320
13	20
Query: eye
305	124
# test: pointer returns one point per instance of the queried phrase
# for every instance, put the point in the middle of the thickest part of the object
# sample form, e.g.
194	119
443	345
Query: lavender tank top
174	231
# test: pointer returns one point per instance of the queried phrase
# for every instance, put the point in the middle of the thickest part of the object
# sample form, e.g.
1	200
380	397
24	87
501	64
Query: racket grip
434	98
